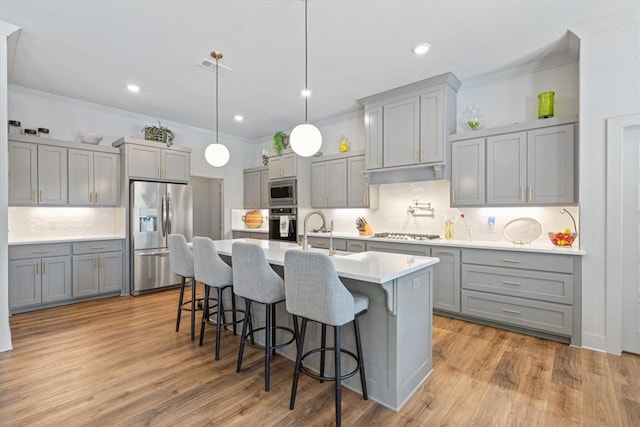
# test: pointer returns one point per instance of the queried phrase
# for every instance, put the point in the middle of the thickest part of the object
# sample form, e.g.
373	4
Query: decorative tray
522	230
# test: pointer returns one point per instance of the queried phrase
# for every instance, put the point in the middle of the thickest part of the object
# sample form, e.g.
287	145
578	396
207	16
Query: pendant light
216	154
305	139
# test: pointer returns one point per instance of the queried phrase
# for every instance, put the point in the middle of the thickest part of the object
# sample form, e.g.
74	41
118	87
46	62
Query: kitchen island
396	331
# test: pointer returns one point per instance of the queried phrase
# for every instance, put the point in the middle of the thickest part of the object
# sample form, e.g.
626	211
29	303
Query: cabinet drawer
542	316
552	287
513	259
322	242
399	248
97	246
38	251
355	246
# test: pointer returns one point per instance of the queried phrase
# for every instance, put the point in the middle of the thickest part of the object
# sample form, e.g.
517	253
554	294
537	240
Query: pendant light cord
306	60
217	72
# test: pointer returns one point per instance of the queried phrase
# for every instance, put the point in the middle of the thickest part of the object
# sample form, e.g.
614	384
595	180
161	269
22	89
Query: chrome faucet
305	245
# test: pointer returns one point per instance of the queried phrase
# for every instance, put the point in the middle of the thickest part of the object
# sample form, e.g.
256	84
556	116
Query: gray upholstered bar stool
255	281
210	270
314	292
181	259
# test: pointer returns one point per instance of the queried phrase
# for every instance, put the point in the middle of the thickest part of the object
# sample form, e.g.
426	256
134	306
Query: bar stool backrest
208	267
313	289
253	277
180	256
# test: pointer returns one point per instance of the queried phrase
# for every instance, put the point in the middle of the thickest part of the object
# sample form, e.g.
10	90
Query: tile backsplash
51	223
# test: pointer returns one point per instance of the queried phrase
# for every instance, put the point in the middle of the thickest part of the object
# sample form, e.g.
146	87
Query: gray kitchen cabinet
324	242
468	173
534	167
408	127
97	268
355	246
37	174
398	248
149	162
446	280
283	166
252	184
38	274
94	178
250	235
264	188
329	183
359	193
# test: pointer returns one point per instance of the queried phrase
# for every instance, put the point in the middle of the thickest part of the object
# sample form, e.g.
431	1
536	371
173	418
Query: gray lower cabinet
534	291
324	242
399	248
250	235
355	246
97	268
446	281
38	274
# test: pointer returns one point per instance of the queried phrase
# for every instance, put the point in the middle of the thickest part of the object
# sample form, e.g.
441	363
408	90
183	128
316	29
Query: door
180	210
56	278
110	272
80	177
401	130
507	169
373	137
85	275
23	173
52	175
176	165
24	283
143	162
468	173
106	182
148	215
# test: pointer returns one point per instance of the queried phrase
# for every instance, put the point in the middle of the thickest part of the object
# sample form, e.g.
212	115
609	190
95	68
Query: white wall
609	87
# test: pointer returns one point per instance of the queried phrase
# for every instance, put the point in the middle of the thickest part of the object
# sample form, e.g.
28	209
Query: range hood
408	174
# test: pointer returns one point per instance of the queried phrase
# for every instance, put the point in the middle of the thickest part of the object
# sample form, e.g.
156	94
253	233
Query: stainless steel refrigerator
157	210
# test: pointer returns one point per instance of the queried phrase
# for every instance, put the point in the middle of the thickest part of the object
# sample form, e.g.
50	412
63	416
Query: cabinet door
110	272
432	140
319	190
468	173
264	189
143	162
23	173
358	188
373	137
401	131
24	283
52	175
85	275
550	165
80	177
507	169
355	246
252	190
275	167
106	179
56	278
176	165
289	165
446	280
337	183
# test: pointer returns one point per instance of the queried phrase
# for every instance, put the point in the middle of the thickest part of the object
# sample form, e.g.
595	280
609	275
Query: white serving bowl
90	138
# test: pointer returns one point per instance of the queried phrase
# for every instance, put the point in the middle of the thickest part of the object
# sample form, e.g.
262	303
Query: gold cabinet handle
415	156
522	193
98	247
33	195
422	155
453	196
90	197
101	261
37	268
95	262
444	252
40	251
41	195
530	192
508	310
513	261
379	160
159	173
356	245
509	282
96	197
44	267
364	198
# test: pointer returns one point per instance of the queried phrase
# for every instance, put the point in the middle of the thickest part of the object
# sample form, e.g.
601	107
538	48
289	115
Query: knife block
368	231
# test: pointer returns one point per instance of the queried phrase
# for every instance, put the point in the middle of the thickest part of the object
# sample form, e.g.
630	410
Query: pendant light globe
305	140
216	154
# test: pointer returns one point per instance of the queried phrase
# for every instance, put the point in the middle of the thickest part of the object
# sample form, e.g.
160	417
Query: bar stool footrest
313	375
274	347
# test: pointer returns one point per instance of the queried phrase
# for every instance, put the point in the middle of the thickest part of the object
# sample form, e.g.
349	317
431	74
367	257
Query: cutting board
252	219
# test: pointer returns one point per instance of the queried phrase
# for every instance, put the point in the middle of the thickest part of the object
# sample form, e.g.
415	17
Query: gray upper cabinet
256	188
264	188
359	193
175	165
283	166
534	167
329	184
93	178
406	130
37	174
468	173
145	160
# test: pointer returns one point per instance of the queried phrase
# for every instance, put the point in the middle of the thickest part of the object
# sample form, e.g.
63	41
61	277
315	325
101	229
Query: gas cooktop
406	236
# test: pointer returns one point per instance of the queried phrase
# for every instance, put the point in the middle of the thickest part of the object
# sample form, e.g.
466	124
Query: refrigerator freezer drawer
152	270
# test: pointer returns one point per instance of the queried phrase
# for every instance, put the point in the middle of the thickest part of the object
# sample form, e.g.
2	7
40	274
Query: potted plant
159	133
280	141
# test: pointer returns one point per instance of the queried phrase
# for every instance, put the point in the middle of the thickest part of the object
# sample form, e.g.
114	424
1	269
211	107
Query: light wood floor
118	362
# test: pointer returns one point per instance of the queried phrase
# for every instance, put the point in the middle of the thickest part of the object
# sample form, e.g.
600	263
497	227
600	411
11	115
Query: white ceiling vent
210	65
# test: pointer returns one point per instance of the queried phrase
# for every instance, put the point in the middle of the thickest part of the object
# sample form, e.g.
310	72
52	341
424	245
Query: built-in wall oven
283	224
282	193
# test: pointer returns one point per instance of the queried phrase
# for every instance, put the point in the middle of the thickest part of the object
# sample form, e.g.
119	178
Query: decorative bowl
560	238
90	138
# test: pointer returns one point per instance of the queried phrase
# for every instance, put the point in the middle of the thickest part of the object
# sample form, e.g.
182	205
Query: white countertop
479	244
66	240
375	267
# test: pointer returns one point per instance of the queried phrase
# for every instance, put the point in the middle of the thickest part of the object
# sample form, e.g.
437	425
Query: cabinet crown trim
154	144
413	88
516	127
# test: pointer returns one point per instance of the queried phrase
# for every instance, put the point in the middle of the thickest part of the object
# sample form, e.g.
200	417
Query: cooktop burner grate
406	236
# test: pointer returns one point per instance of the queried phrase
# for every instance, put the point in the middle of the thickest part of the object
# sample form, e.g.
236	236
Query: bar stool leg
323	345
336	334
245	325
273	326
205	313
267	344
219	323
193	309
363	379
296	372
180	300
233	312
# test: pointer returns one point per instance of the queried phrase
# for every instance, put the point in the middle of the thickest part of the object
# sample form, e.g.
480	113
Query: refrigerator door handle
164	215
169	213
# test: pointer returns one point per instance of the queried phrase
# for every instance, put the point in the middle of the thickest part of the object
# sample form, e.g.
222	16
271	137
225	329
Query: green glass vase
545	105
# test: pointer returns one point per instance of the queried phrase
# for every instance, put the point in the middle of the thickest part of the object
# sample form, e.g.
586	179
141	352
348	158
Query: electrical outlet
491	223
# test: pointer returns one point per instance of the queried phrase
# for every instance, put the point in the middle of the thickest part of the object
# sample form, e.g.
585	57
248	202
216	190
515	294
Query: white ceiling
90	50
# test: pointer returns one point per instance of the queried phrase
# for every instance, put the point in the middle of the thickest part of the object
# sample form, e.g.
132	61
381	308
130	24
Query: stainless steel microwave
283	193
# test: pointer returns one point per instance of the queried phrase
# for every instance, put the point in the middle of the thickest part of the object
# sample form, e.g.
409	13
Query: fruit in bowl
562	238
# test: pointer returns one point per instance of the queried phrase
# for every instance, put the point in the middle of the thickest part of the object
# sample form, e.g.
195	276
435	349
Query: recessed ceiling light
133	88
305	92
421	49
238	118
